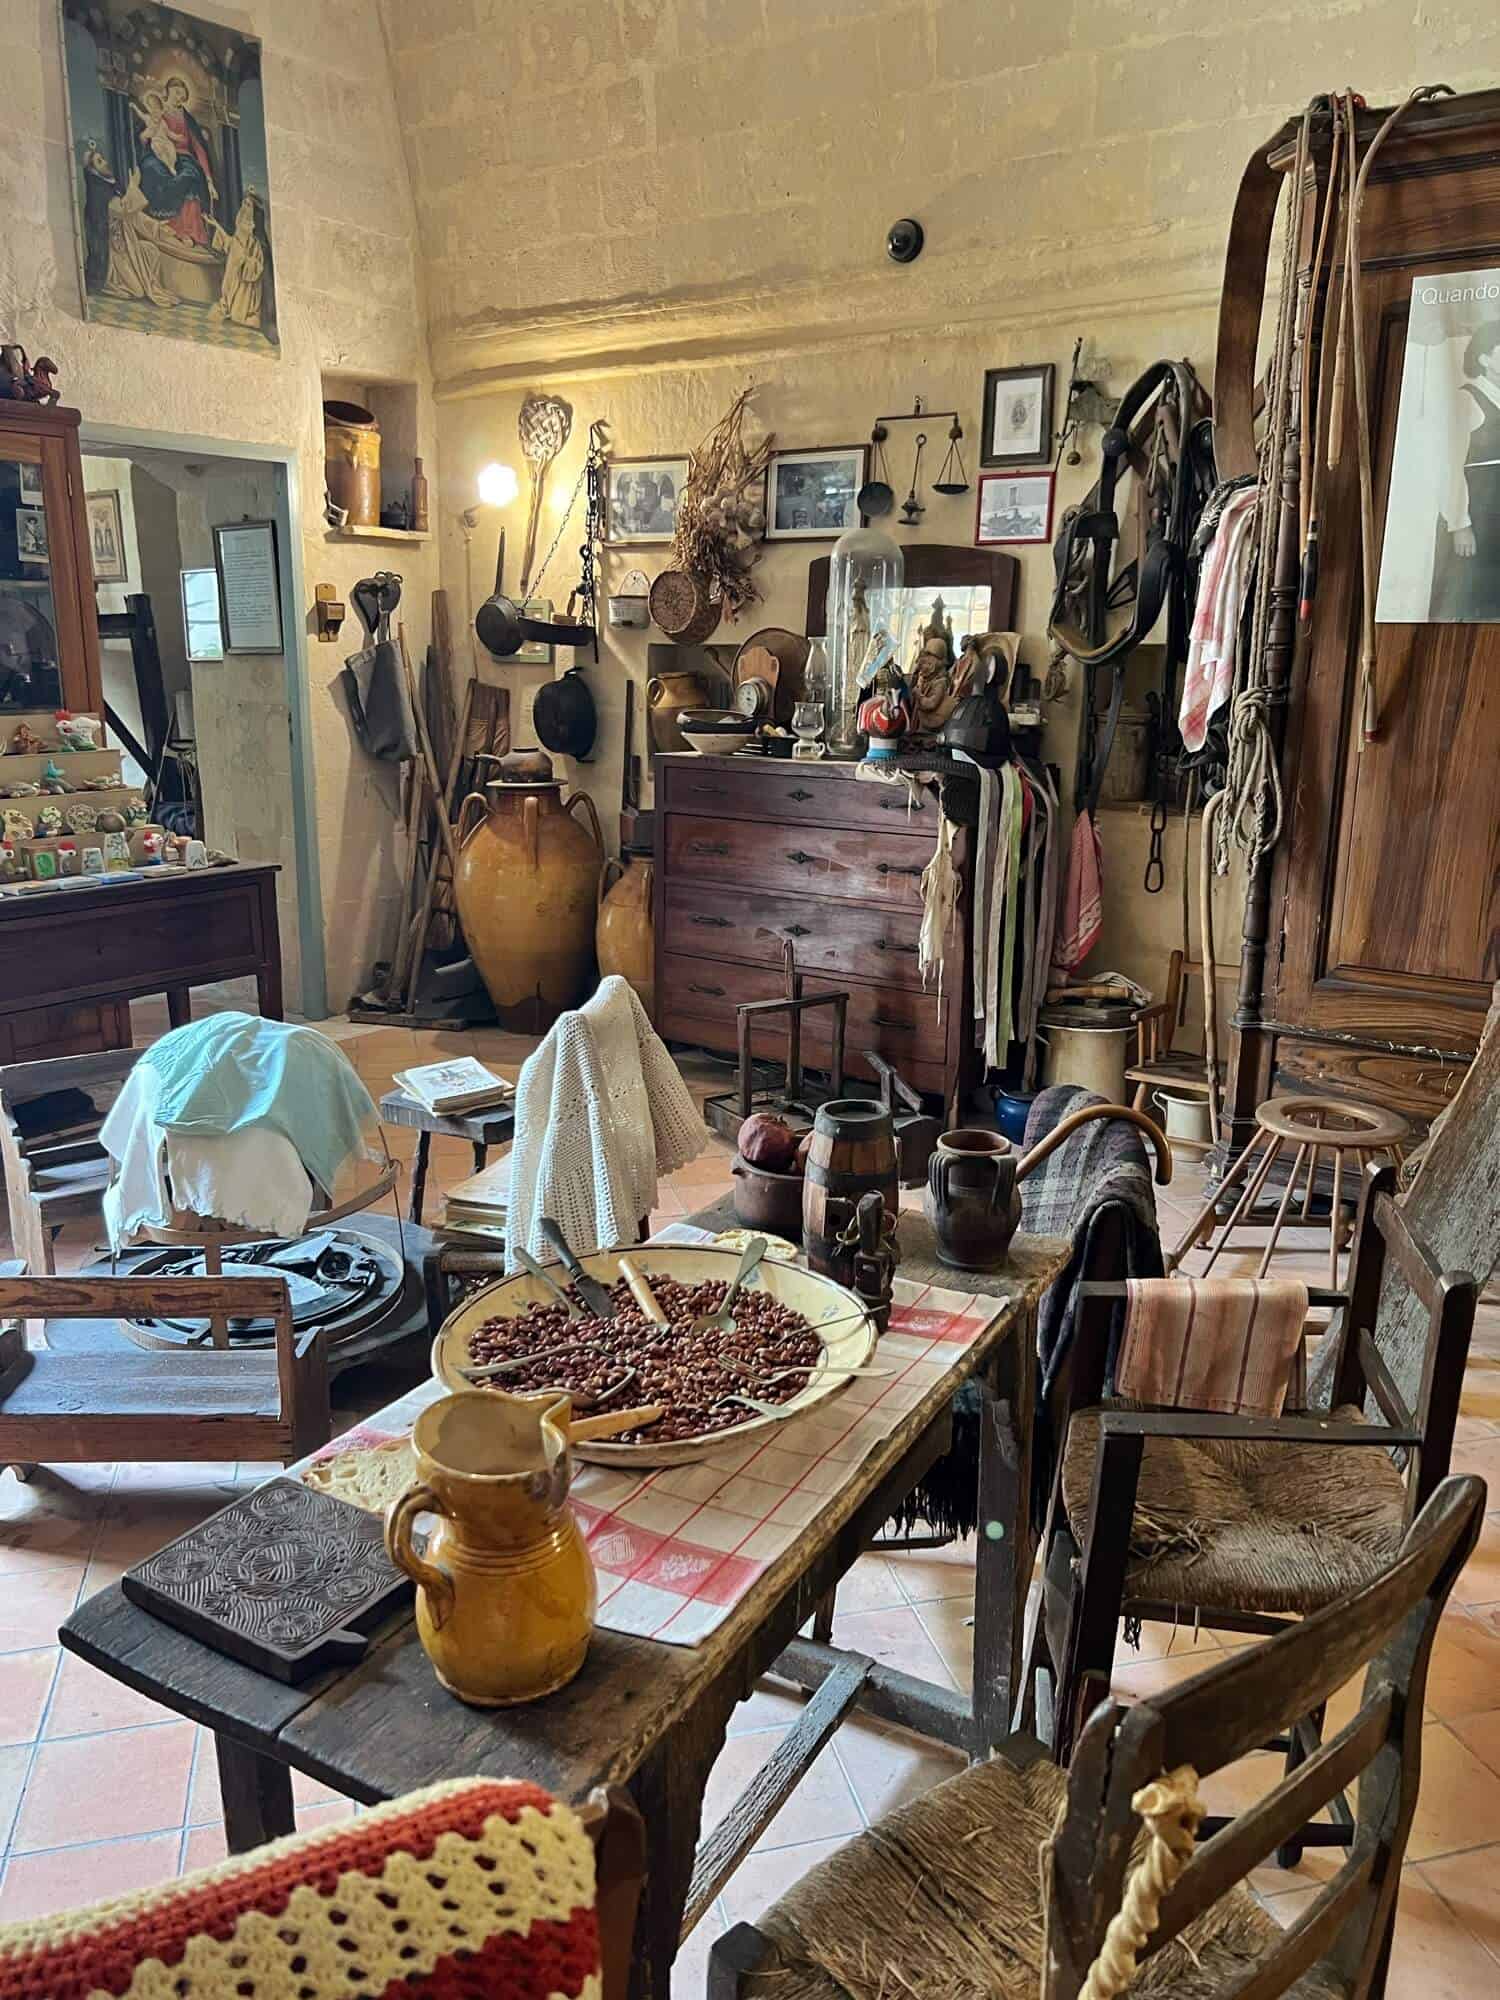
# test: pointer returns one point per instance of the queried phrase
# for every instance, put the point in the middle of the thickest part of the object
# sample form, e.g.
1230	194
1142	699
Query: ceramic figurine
76	732
15	826
24	742
44	864
885	712
9	866
82	818
21	789
109	821
103	782
116	852
49	822
137	812
52	779
67	859
195	854
93	861
151	850
171	851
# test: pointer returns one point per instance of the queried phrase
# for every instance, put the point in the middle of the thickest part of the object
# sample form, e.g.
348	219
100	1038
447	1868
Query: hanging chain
561	526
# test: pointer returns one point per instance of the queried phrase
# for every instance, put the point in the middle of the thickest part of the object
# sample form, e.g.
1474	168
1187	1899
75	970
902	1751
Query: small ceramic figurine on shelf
24	742
67	859
21	788
93	861
76	732
151	855
49	822
15	826
137	812
101	782
44	865
885	712
82	818
52	779
110	821
171	851
116	853
195	854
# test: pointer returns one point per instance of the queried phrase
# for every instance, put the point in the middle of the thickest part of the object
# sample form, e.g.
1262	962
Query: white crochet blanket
601	1110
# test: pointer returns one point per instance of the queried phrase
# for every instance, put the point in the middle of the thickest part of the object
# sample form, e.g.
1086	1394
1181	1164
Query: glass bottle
865	576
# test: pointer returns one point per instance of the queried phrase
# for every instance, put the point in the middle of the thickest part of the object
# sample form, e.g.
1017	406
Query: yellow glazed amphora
505	1587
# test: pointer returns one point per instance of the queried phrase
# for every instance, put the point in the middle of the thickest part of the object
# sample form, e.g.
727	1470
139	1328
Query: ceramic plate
836	1314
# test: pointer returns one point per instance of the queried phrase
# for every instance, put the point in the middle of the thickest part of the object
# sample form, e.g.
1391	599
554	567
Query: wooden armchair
1005	1879
56	1171
1243	1523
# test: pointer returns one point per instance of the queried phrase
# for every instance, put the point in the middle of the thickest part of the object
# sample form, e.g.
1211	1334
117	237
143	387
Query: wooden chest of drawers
751	855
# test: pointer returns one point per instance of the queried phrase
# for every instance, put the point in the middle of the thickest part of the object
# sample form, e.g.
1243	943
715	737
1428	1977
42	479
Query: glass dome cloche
865	576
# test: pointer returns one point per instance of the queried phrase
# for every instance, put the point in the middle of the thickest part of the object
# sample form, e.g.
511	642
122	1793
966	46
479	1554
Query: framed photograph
169	165
640	498
31	482
811	494
1017	416
31	535
1014	507
106	536
249	586
1440	561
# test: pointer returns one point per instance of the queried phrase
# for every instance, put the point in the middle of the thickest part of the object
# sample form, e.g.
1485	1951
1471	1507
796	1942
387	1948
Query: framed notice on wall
249	586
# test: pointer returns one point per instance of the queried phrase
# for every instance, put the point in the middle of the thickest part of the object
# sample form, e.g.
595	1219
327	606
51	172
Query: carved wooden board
288	1580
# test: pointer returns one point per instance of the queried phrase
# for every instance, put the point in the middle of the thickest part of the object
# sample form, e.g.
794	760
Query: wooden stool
1314	1125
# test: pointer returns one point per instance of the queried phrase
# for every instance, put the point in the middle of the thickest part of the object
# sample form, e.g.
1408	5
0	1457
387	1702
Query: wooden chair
1159	1064
196	1403
478	1886
1242	1523
55	1169
1004	1880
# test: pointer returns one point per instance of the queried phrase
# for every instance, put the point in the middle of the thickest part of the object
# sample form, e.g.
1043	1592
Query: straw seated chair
1002	1883
1240	1523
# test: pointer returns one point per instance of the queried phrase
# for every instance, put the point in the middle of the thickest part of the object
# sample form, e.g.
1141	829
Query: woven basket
681	607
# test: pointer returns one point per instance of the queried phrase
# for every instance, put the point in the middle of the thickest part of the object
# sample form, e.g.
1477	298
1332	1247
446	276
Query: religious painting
1017	416
167	136
106	536
1440	561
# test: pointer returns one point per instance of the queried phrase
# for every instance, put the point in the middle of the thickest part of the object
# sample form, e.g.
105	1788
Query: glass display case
49	643
865	575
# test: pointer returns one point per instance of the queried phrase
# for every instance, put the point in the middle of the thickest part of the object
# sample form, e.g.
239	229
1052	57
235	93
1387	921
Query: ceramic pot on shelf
624	936
526	888
506	1592
351	454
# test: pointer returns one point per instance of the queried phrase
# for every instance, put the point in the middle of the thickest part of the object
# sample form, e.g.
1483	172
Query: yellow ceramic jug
624	938
505	1587
525	885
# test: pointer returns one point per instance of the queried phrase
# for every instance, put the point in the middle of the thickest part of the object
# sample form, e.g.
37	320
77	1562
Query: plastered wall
350	301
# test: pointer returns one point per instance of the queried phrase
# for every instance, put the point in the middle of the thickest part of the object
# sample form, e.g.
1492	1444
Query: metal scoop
722	1321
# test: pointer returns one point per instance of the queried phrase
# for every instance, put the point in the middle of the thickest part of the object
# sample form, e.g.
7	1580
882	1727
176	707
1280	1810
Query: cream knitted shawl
601	1110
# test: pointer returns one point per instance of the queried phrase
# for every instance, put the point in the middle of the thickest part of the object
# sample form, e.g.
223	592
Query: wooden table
646	1715
494	1126
75	957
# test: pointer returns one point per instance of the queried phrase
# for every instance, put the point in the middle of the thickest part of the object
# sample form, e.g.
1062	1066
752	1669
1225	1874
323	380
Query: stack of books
449	1089
477	1207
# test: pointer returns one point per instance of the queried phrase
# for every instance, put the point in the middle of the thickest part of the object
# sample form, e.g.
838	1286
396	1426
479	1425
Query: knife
594	1295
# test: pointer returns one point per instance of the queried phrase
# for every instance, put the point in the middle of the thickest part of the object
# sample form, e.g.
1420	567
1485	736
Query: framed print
31	535
106	536
249	586
640	498
31	482
810	495
1014	507
1017	426
168	160
1440	561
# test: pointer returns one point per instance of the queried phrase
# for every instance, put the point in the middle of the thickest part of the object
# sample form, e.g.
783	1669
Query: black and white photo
1017	416
812	493
106	537
1014	507
1440	562
31	535
641	496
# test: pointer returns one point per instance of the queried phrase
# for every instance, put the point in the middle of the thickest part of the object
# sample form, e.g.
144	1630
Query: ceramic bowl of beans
796	1336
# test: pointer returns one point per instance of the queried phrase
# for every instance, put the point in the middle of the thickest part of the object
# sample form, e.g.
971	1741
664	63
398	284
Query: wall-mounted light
498	485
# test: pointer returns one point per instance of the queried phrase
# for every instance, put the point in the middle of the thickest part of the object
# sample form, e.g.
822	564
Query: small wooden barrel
853	1150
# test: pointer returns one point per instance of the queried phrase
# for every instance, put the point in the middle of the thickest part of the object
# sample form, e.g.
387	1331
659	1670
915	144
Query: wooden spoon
614	1421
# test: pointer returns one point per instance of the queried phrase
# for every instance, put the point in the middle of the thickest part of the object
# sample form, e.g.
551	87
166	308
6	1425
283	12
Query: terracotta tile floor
101	1791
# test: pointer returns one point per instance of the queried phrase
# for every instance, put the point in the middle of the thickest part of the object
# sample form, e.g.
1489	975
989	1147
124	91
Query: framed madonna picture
1017	416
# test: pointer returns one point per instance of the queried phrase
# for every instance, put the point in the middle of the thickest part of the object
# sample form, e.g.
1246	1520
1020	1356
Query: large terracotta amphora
526	886
506	1592
624	936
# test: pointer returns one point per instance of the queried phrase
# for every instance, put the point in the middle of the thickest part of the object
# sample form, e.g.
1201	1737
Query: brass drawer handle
802	860
716	991
712	923
797	930
887	1021
890	868
799	795
906	950
708	847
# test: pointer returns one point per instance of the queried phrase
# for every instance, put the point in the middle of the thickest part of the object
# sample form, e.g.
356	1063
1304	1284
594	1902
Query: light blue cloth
231	1071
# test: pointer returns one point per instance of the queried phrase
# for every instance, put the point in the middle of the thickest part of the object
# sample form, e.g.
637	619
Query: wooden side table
495	1126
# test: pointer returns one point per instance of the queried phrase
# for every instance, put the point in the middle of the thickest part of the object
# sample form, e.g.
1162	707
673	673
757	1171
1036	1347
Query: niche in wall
394	407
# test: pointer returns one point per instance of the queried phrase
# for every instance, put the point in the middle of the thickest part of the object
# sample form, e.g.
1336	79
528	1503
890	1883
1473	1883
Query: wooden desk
75	957
646	1715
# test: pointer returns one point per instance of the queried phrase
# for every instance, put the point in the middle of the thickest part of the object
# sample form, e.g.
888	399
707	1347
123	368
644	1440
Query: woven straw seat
1248	1527
943	1901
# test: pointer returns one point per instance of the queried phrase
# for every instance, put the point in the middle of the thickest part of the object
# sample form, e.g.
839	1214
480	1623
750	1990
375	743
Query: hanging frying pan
498	619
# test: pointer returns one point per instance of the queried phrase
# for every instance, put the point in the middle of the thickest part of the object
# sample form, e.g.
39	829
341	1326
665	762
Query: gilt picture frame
106	536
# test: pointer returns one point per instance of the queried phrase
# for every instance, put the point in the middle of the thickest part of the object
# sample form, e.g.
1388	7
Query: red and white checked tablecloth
676	1549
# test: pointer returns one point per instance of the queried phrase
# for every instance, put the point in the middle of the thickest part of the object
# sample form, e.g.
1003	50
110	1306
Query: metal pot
763	1200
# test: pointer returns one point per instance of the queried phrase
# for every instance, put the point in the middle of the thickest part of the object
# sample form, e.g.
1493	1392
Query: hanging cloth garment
1208	679
939	901
986	846
1000	1026
1082	917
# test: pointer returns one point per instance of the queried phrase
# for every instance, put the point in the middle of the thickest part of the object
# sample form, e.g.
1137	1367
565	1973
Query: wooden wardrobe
1372	935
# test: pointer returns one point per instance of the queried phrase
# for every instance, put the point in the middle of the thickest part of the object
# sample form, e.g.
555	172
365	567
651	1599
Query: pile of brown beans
615	1364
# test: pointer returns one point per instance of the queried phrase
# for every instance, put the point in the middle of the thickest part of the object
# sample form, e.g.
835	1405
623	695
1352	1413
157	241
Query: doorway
219	733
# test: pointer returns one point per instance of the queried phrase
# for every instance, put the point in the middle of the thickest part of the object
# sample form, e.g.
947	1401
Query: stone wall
350	301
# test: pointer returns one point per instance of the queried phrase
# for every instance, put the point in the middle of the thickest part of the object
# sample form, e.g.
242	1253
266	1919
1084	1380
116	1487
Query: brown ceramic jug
665	694
853	1151
526	888
506	1591
624	937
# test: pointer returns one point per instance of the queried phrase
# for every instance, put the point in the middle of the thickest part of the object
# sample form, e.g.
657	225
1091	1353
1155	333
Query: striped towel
1223	1344
1208	678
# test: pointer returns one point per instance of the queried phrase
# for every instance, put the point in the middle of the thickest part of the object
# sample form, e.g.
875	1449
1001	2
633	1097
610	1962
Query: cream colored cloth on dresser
601	1110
